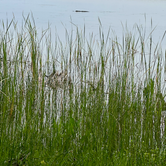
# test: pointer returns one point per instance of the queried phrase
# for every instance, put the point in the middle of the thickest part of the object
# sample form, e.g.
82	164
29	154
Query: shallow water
60	14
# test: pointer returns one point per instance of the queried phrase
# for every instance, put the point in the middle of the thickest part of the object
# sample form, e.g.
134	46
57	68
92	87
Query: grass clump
102	104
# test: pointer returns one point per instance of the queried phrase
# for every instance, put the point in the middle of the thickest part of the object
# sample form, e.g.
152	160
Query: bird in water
58	79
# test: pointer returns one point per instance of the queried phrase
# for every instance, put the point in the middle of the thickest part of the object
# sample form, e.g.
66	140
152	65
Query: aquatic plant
103	108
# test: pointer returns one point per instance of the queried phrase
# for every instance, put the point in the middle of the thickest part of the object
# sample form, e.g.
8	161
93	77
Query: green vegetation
109	113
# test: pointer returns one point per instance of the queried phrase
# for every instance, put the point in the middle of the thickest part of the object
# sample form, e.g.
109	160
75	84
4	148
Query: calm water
60	14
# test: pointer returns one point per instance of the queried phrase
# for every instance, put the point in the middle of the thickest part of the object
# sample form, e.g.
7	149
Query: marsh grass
109	115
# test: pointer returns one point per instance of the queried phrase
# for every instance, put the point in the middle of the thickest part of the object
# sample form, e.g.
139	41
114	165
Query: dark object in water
81	11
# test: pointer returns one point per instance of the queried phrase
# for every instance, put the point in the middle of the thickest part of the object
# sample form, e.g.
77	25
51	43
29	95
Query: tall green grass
109	115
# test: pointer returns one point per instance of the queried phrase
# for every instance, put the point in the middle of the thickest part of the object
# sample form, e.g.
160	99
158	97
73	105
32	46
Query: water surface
60	14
